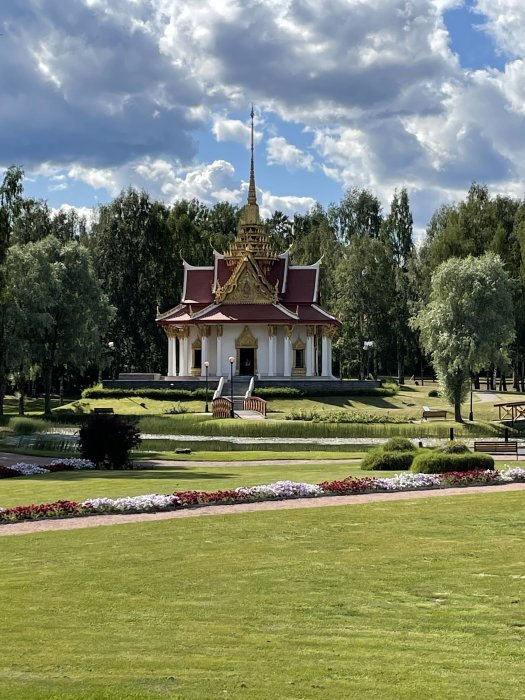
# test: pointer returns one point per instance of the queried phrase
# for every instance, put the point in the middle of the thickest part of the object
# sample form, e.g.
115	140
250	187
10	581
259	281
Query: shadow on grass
176	473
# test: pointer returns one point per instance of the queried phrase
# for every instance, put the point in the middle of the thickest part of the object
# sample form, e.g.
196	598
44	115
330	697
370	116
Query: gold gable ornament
247	286
246	339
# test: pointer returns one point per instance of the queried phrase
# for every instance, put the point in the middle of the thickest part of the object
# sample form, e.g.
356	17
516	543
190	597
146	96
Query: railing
221	407
218	390
254	403
249	391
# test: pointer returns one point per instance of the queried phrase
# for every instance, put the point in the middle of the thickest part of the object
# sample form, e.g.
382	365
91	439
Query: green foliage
97	392
177	409
468	322
108	439
455	448
335	417
28	426
399	444
381	460
434	393
440	462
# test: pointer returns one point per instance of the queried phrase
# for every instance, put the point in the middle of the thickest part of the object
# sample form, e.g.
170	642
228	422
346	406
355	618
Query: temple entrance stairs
240	387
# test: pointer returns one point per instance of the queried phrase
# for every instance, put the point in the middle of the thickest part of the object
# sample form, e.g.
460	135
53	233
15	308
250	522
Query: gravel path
31	527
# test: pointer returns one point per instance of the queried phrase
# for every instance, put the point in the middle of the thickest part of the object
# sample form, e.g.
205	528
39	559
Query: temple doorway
247	361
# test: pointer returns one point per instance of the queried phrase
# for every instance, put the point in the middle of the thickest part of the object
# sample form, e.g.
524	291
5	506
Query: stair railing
218	391
251	386
221	407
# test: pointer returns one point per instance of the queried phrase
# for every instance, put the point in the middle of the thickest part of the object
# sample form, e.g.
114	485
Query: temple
253	307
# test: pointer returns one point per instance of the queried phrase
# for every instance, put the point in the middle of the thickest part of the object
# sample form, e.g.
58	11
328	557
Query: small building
251	305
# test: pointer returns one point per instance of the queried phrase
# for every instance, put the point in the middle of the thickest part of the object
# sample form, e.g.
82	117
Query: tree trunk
61	390
47	375
475	379
457	412
21	395
515	376
3	374
400	365
521	379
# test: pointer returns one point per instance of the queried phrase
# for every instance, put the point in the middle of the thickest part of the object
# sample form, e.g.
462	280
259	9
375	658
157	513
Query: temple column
288	330
184	363
204	349
310	351
328	334
272	350
219	351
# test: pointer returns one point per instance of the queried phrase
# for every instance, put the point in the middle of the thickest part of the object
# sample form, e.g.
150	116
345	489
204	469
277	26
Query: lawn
414	599
93	484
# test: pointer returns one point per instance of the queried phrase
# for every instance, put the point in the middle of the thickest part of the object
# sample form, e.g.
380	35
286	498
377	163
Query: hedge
145	393
398	444
439	462
378	460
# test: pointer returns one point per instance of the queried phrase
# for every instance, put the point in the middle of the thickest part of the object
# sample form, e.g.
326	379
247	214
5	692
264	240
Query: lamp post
206	365
367	345
471	413
232	360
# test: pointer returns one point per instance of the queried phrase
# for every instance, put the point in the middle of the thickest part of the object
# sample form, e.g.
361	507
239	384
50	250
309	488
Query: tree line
78	301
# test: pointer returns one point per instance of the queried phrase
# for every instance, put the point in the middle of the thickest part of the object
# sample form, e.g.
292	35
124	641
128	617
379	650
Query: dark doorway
247	361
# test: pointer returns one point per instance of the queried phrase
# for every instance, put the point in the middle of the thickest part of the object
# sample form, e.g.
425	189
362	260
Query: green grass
250	455
415	599
94	484
131	406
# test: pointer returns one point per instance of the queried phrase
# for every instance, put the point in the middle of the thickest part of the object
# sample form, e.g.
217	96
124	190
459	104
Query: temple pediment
247	285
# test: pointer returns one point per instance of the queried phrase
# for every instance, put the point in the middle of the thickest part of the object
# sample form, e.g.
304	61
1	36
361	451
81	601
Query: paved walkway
31	527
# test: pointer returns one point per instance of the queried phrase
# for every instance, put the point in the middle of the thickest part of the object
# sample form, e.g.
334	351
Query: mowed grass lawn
79	486
414	599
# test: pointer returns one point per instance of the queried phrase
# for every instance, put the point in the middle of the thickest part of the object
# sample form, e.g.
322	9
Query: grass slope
418	599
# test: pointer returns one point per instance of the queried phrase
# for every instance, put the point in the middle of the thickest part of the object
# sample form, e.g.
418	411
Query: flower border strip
280	490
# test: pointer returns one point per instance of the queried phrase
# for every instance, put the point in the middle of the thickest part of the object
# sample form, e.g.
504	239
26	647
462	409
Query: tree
362	278
61	310
468	322
397	231
136	257
357	214
10	197
108	440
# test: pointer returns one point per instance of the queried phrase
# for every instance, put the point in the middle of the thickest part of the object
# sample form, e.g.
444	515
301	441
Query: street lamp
206	364
471	414
232	360
367	345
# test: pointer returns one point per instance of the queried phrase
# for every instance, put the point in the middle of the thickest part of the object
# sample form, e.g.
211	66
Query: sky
100	95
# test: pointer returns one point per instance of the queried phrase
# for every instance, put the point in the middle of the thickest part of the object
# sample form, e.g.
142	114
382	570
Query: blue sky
383	94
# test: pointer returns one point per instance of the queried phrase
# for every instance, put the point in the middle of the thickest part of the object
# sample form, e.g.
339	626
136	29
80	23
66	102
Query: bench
434	413
496	448
103	409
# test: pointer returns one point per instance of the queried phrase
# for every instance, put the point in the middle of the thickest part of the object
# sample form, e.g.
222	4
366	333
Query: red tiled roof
310	314
276	273
300	287
254	313
199	283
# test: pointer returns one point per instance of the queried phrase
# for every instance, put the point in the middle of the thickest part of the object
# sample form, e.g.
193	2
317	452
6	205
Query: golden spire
252	196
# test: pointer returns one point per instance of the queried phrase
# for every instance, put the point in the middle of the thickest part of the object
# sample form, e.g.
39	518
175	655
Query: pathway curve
31	527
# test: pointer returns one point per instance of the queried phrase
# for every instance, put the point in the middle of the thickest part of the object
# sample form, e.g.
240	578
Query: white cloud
233	130
280	152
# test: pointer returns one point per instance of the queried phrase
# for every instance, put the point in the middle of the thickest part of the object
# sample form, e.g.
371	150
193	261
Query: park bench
496	448
103	409
433	413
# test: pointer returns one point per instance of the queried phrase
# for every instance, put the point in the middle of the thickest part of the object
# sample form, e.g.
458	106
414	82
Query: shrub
434	393
28	426
440	462
97	392
176	410
455	448
343	416
379	460
399	444
108	439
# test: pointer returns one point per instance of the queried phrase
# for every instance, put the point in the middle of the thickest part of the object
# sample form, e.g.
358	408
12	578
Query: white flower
28	469
75	463
137	504
281	489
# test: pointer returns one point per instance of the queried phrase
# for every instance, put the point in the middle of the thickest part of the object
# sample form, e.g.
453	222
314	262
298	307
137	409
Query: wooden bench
496	448
434	413
103	409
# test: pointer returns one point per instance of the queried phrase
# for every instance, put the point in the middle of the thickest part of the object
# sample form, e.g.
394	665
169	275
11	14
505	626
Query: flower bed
280	490
57	465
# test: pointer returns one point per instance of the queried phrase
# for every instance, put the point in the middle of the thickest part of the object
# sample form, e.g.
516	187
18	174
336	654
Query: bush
343	416
434	393
97	392
28	426
440	462
399	444
378	460
108	439
176	410
455	448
